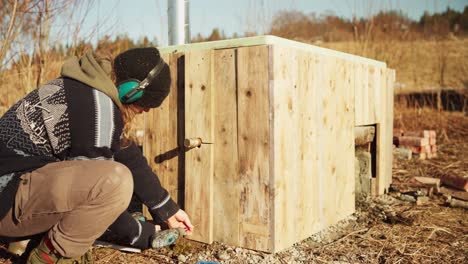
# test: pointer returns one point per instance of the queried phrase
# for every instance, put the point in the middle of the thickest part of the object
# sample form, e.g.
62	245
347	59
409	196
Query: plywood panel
313	99
287	150
343	136
161	146
227	189
361	93
199	116
254	148
334	116
308	189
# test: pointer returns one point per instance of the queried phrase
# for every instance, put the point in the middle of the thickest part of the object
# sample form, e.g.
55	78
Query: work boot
166	237
18	247
45	253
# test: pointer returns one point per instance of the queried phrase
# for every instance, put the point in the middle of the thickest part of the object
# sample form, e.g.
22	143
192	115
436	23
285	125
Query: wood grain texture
161	143
368	92
199	122
282	122
384	134
254	146
390	92
287	150
226	189
308	189
313	131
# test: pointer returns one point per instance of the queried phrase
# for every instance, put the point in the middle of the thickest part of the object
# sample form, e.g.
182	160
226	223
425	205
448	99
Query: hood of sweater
92	71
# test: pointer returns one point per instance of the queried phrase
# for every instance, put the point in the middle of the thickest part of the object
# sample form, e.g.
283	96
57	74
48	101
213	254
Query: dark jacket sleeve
95	122
147	186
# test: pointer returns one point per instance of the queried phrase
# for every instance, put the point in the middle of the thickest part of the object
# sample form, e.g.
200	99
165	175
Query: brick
413	141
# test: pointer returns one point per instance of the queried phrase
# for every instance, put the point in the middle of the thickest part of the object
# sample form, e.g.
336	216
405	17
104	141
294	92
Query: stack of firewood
421	144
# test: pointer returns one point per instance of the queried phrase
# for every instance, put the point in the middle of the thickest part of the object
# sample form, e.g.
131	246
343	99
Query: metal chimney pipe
179	26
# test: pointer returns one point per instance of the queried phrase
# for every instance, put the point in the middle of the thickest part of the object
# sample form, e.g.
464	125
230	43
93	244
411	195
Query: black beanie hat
136	64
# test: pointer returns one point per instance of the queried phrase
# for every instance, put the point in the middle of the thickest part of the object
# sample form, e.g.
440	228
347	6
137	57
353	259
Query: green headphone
132	89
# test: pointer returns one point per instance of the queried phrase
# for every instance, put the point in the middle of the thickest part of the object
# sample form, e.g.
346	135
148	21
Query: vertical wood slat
226	185
390	84
384	133
254	148
161	143
287	145
307	186
313	126
342	139
199	122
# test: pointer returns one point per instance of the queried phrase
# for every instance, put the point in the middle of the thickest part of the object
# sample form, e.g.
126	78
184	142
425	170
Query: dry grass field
420	65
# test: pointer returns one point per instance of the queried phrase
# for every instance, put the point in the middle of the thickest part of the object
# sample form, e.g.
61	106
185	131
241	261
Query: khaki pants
73	201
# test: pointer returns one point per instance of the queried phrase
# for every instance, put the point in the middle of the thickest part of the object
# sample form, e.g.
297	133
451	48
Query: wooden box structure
280	116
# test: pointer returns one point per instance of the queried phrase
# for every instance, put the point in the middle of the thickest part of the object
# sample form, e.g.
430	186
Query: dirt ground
384	229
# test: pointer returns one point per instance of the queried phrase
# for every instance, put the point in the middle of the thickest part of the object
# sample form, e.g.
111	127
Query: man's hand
180	220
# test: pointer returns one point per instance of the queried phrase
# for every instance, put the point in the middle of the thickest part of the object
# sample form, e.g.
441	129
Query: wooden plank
361	76
288	215
307	190
226	208
199	118
369	92
269	40
327	172
340	139
254	145
335	146
161	128
345	146
384	137
390	93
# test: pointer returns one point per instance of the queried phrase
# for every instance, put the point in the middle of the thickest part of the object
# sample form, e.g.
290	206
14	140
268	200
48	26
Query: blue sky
138	18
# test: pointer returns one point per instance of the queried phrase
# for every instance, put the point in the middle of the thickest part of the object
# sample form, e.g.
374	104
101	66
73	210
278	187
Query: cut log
402	153
433	184
363	135
454	193
455	181
458	203
428	180
413	141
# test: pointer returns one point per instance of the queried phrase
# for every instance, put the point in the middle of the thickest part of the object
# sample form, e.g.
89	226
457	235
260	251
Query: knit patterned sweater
69	120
